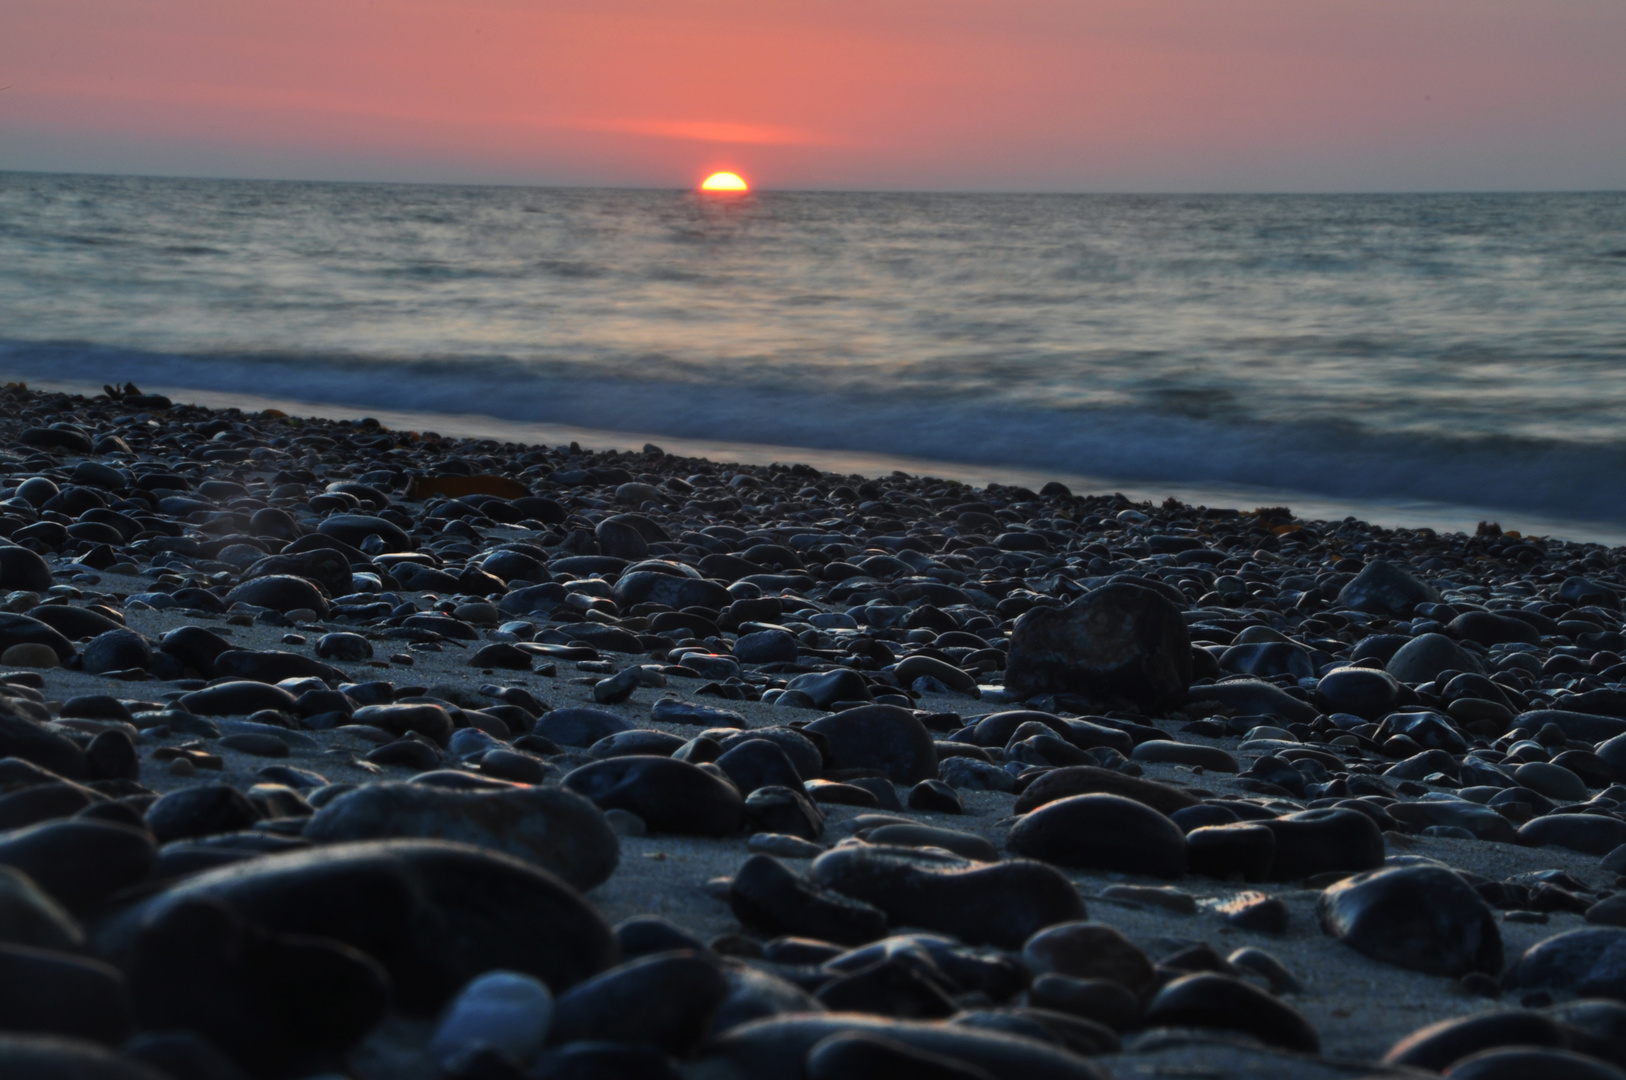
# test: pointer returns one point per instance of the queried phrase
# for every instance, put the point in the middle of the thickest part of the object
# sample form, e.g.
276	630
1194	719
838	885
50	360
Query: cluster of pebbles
334	751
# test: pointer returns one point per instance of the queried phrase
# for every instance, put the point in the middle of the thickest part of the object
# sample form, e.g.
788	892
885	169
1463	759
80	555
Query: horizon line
756	190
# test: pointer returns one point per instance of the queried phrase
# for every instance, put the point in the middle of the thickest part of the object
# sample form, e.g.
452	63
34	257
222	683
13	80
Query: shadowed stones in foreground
1120	643
556	829
779	1046
199	965
433	914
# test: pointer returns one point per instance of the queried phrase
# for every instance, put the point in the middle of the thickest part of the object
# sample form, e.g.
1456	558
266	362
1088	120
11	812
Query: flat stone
1591	834
670	795
553	828
1091	780
1000	904
770	896
779	1046
1179	753
579	726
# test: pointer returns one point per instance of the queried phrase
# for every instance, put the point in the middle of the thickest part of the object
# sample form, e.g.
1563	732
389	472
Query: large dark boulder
1118	643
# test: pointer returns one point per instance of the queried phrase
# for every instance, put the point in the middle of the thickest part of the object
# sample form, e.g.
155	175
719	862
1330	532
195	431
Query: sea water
1342	352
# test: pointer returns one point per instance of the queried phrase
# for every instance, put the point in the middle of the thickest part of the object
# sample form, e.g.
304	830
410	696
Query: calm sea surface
1464	349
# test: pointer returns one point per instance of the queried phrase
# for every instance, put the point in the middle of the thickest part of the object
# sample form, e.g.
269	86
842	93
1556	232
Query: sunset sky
1058	95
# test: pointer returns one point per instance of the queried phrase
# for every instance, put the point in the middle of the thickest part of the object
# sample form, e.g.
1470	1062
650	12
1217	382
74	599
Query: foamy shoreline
1443	517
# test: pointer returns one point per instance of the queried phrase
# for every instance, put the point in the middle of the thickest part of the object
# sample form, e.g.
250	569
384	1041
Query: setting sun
724	181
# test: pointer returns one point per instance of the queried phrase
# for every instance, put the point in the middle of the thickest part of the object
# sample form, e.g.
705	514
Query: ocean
1411	359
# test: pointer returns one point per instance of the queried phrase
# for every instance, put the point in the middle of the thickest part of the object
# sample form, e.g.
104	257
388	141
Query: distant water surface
1458	349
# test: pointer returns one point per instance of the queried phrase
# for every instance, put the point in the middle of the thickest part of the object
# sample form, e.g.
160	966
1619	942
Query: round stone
664	999
29	655
1085	950
344	646
1318	841
1237	848
1101	832
669	795
1437	1046
886	738
1219	1001
555	829
1553	781
1001	903
1589	962
507	1010
1362	692
1422	918
1591	834
1525	1063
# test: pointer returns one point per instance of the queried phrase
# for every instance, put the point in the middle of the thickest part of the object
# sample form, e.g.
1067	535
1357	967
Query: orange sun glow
724	181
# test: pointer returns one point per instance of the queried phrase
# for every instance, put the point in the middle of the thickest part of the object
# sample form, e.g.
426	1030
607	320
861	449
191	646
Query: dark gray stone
1317	841
1425	656
669	795
434	914
1382	588
1422	918
1101	832
1120	642
664	1000
280	592
579	727
553	828
887	738
1219	1001
1001	904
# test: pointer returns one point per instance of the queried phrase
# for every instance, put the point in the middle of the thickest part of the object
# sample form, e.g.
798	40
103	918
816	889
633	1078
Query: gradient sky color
1054	95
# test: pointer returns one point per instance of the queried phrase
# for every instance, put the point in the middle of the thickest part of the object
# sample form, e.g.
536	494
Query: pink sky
1062	95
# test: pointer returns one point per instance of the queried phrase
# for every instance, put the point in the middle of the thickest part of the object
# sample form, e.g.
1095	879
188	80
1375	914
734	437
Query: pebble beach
335	751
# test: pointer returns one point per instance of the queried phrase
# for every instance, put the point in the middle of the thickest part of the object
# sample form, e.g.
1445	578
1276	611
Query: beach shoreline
370	565
1408	513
